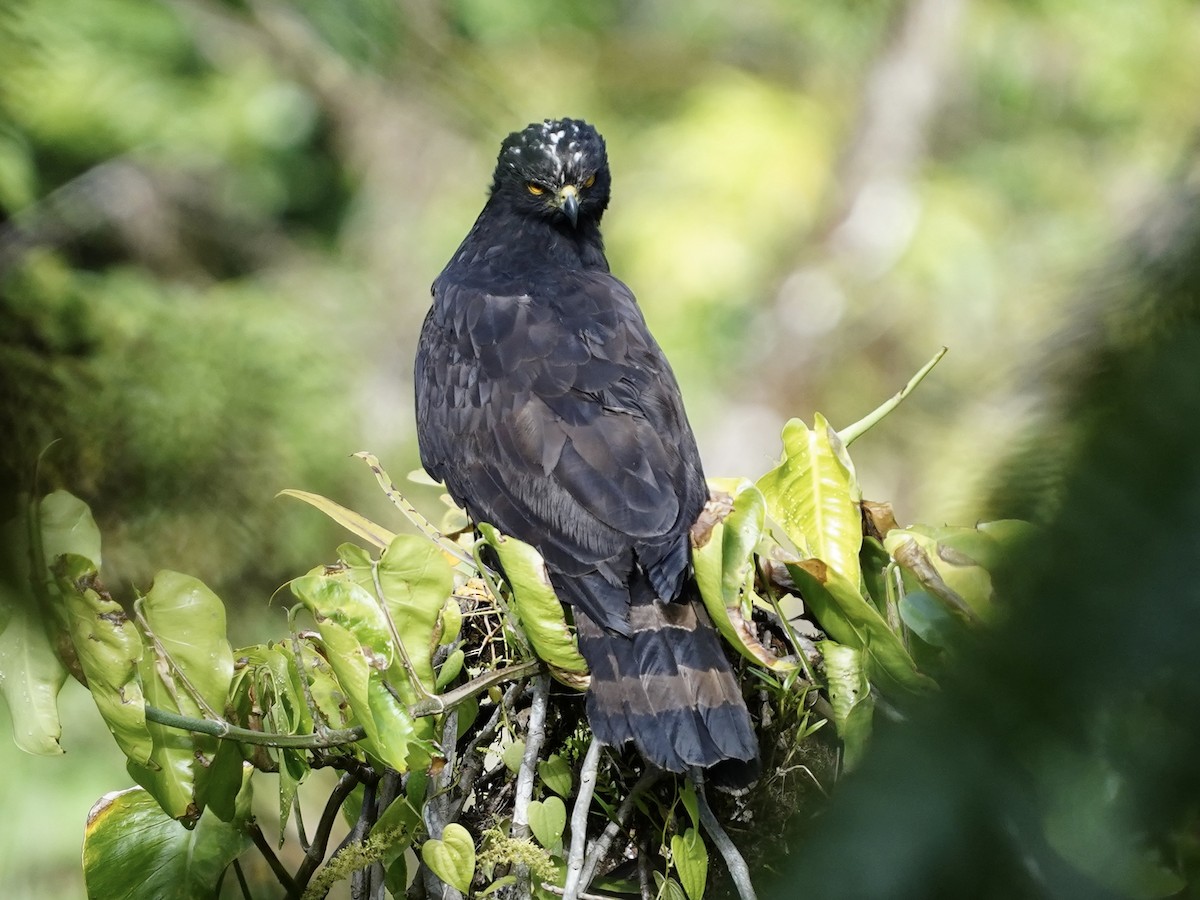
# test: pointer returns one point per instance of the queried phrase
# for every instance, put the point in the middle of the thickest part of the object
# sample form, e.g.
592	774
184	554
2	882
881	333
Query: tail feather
668	688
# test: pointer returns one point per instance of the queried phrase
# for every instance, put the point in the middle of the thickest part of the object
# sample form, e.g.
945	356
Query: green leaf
963	557
187	621
360	651
929	619
410	584
452	858
850	697
450	668
725	571
547	819
850	619
690	857
668	888
133	851
347	518
512	756
67	526
108	648
814	495
536	606
451	621
687	794
187	669
556	774
31	675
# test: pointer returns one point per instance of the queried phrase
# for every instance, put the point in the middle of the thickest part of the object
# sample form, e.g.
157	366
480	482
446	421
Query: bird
549	411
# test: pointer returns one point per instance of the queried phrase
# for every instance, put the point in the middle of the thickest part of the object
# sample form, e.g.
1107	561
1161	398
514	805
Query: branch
533	749
604	842
738	870
851	433
433	706
260	841
316	852
224	730
579	816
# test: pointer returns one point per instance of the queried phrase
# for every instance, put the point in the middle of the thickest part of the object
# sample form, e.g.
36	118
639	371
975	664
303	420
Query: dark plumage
548	409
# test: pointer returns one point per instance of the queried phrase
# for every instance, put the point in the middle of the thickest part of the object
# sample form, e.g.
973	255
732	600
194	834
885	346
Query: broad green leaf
31	675
547	819
452	858
64	525
409	585
536	606
725	572
326	693
188	622
108	648
814	495
187	668
963	557
133	851
929	619
220	790
850	697
67	526
556	774
347	518
847	617
360	651
690	857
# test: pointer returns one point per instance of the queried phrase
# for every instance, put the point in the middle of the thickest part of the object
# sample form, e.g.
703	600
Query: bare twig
738	870
264	847
533	749
316	852
579	817
241	877
604	842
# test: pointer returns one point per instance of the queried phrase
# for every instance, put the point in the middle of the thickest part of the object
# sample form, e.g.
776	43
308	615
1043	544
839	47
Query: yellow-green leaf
690	857
347	518
850	619
452	859
547	819
850	697
814	495
108	648
535	604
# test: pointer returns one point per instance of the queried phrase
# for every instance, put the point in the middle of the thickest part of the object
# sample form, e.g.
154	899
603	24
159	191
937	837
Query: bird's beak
568	202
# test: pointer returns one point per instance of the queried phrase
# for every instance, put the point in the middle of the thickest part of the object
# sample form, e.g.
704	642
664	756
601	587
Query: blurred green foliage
219	220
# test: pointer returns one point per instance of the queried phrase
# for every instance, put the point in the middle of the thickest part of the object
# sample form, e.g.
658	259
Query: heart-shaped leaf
548	818
452	858
691	862
556	774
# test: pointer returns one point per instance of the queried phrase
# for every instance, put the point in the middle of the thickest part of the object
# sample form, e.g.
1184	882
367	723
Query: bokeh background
219	222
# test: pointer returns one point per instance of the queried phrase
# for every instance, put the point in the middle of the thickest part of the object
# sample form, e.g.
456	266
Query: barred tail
669	688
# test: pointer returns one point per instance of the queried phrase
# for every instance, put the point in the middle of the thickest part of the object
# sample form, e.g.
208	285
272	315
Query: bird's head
557	169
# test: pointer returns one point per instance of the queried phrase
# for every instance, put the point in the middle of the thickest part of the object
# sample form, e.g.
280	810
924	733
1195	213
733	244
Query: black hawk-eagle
548	410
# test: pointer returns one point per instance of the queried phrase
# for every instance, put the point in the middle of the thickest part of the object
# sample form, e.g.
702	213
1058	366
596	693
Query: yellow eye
591	179
535	189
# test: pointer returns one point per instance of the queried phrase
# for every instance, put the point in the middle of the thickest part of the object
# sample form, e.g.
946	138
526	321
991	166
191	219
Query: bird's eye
591	179
535	189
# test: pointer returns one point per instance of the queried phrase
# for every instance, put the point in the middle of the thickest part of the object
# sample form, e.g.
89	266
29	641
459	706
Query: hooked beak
568	202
